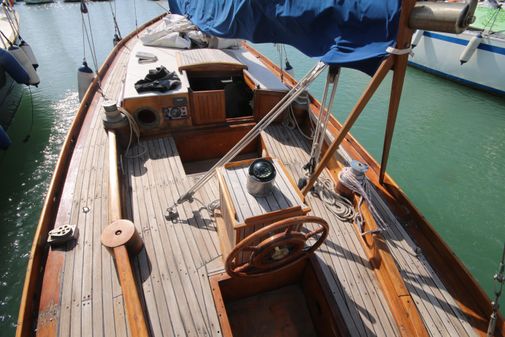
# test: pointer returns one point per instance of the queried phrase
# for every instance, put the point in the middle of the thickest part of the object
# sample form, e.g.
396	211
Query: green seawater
448	151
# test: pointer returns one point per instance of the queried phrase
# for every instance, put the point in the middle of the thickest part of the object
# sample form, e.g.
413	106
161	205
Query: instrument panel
159	112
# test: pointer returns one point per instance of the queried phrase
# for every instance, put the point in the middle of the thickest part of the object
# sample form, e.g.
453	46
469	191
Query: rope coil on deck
340	206
359	183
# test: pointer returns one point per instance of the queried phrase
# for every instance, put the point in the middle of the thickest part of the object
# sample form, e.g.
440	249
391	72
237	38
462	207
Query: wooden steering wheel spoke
314	232
242	268
281	245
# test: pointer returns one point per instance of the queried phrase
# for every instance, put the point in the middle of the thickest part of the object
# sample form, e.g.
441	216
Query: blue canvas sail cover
348	33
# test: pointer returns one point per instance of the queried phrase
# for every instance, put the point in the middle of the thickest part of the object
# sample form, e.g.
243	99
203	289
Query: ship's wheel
276	246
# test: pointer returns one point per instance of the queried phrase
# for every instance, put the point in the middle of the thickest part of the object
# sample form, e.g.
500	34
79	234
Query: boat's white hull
439	53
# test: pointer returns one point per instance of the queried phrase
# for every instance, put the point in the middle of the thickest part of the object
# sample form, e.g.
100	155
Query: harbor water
448	152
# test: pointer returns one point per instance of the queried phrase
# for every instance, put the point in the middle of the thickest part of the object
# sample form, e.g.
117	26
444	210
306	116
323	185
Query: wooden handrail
114	189
134	312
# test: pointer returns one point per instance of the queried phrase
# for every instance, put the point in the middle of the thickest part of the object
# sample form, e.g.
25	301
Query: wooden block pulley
122	232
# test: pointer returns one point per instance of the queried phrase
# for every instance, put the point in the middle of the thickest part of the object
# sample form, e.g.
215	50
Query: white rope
134	128
291	123
322	122
211	206
340	206
362	186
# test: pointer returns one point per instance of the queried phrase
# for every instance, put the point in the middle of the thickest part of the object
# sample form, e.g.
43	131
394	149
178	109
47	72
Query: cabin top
262	76
184	61
207	59
137	71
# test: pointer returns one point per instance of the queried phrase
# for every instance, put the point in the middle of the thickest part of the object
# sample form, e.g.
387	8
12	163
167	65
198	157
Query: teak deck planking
173	268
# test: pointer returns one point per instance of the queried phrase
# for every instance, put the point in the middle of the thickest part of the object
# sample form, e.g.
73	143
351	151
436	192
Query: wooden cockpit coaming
323	319
173	270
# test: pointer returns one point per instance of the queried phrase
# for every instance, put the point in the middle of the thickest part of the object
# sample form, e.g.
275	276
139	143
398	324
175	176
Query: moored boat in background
18	66
476	57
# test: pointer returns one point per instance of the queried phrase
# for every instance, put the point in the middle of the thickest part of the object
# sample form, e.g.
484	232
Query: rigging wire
3	40
136	21
164	8
6	39
88	33
117	32
493	19
14	27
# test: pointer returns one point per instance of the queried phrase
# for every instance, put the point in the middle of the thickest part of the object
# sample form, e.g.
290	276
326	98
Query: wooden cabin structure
132	271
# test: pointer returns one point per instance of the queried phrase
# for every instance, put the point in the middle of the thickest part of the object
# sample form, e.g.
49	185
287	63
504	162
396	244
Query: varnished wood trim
219	303
292	182
38	253
249	81
471	298
271	217
400	301
134	312
114	187
227	197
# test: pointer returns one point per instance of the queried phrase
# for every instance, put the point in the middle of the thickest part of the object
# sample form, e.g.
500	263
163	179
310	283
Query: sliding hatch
217	87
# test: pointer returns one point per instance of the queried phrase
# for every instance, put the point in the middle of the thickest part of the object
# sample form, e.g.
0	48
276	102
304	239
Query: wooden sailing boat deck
179	256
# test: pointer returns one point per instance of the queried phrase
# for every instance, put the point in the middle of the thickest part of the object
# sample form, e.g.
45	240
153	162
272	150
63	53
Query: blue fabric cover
348	33
13	67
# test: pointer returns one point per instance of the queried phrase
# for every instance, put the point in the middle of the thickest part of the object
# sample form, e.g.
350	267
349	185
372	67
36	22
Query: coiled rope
340	206
359	183
134	128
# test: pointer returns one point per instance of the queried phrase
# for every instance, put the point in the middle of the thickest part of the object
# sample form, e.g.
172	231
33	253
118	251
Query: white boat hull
439	53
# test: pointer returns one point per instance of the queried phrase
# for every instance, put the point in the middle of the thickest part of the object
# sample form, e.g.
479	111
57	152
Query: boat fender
116	40
29	52
289	68
13	67
5	140
84	78
22	58
418	35
470	49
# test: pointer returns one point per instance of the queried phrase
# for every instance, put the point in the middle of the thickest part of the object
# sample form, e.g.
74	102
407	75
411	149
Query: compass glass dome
262	169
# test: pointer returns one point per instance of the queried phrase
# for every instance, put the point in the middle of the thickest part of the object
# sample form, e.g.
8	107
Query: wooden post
114	194
400	66
353	116
117	245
